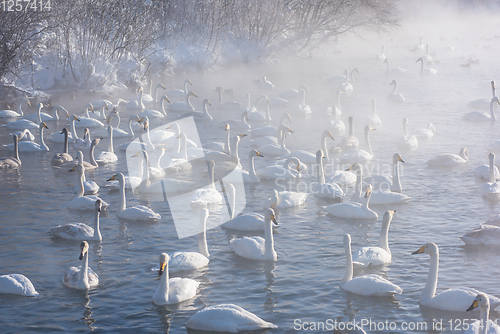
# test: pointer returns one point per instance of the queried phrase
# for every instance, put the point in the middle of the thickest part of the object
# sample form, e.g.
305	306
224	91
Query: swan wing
372	256
372	285
290	199
384	196
483	235
139	213
17	284
249	247
246	222
181	289
78	231
186	261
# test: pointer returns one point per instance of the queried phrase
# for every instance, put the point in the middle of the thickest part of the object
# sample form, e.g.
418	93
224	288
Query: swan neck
81	178
83	274
321	174
164	286
162	107
359	183
73	130
396	182
110	143
492	169
227	147
432	278
374	108
350	127
492	112
366	200
97	231
283	136
184	149
130	130
65	148
54	113
348	265
269	240
123	200
367	142
16	150
218	90
42	143
383	240
323	146
422	67
202	238
20	109
251	169
395	87
92	158
234	151
484	311
39	114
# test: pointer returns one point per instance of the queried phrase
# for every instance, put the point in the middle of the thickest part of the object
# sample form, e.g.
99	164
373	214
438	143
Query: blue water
304	282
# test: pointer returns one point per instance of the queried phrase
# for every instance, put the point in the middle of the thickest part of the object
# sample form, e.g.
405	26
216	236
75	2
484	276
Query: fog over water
303	284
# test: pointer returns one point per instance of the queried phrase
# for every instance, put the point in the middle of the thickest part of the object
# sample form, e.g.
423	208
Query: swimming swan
395	97
353	210
407	142
109	156
358	155
17	284
61	158
454	299
81	231
449	160
483	171
83	202
81	278
367	285
491	189
24	123
285	199
12	113
322	189
15	161
30	146
481	116
308	157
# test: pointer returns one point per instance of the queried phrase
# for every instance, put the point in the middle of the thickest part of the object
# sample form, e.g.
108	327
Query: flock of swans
164	154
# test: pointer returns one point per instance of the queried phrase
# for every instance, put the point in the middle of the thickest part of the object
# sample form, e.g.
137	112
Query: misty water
304	282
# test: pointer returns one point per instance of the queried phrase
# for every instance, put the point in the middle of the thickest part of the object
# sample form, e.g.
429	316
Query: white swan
208	195
246	222
373	255
285	199
352	209
374	119
449	160
136	212
183	106
395	70
220	146
144	142
265	84
337	126
484	325
96	114
485	234
367	285
491	189
203	114
395	97
89	187
483	171
454	299
384	181
87	121
284	172
152	100
186	261
250	176
308	157
275	150
137	104
17	284
57	137
303	107
233	152
226	318
359	155
481	116
271	140
426	70
93	163
23	123
483	103
30	146
109	156
322	189
180	93
24	135
83	202
81	231
241	123
15	161
173	290
226	105
349	142
258	248
270	130
12	113
407	142
61	158
381	56
156	113
424	134
81	278
41	116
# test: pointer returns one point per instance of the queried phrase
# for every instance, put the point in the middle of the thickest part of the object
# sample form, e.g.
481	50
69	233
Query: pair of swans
64	157
481	116
12	113
156	113
24	135
285	199
180	93
24	123
276	150
308	157
454	299
284	172
134	213
356	155
241	123
12	162
272	139
259	116
367	285
81	231
83	277
89	187
82	202
449	160
258	248
87	121
30	146
117	132
44	117
137	104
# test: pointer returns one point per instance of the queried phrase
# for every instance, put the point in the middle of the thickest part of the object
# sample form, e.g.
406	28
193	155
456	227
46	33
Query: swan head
191	93
64	131
393	82
207	102
75	118
15	138
288	117
329	134
368	128
350	119
368	190
429	248
43	125
495	99
397	157
320	155
271	215
165	97
420	59
388	216
304	89
386	61
139	89
227	127
274	199
256	153
95	141
163	262
481	300
89	106
84	247
86	132
98	205
145	121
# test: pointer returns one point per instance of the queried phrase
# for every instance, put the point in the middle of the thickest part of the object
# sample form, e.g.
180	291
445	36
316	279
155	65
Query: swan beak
163	88
106	106
45	125
73	169
108	119
401	159
67	114
113	177
367	192
273	219
81	256
349	168
189	82
223	189
145	126
29	103
76	118
420	251
298	168
140	119
162	268
331	136
195	95
134	156
210	104
289	130
259	155
241	136
178	137
474	305
372	128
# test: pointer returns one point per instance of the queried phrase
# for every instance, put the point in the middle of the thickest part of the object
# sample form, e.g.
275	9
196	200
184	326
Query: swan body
173	290
81	231
180	93
24	123
15	161
226	318
450	160
381	56
376	256
227	105
407	142
387	182
61	158
81	278
17	284
281	172
265	84
137	104
183	106
259	116
24	135
367	285
342	178
29	146
424	134
483	103
203	114
247	222
135	213
481	116
484	325
487	235
242	123
483	171
270	130
209	194
258	248
44	117
12	113
395	97
156	113
353	210
83	202
454	299
308	157
87	121
285	199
